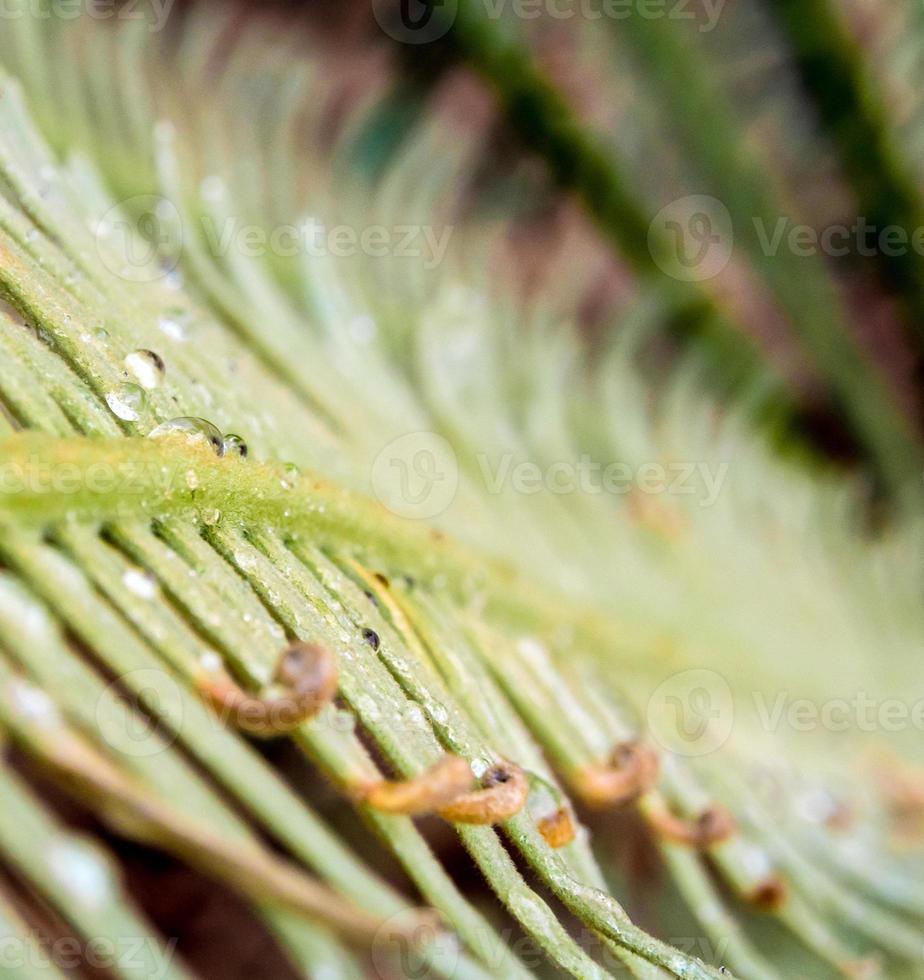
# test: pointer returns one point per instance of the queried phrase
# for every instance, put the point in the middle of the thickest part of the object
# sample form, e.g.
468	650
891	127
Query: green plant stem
855	116
802	286
46	481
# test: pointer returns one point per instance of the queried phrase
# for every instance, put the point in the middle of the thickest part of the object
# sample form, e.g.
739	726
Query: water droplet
481	766
235	446
174	325
211	662
756	862
32	702
79	870
292	473
211	516
372	638
192	479
127	401
141	583
416	717
194	429
680	966
147	366
173	280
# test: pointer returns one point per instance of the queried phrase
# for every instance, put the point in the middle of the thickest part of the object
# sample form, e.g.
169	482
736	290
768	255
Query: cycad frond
645	636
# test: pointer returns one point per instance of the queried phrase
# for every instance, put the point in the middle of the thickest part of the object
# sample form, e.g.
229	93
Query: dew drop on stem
235	446
147	367
194	429
127	401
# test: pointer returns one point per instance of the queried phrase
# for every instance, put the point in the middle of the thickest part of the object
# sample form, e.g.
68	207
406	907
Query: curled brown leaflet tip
558	828
769	895
504	791
442	783
711	827
306	677
631	771
445	789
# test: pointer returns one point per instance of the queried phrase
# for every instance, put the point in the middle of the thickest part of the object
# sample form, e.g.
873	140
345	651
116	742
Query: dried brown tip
442	783
558	828
632	771
502	796
711	827
769	895
307	677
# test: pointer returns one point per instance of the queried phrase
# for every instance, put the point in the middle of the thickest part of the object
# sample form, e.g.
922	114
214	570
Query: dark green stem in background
706	124
579	161
831	65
